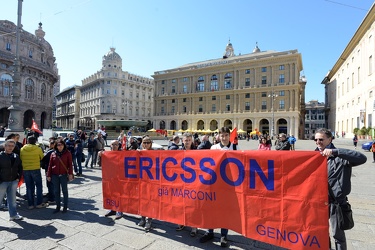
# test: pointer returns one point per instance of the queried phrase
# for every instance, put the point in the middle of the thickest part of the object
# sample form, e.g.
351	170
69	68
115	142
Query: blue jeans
224	232
33	178
9	188
60	182
74	158
89	156
51	191
78	163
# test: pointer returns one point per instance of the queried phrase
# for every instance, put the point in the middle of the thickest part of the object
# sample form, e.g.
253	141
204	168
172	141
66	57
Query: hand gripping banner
276	197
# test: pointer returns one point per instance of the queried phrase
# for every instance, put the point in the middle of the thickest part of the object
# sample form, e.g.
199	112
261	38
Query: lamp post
273	97
14	121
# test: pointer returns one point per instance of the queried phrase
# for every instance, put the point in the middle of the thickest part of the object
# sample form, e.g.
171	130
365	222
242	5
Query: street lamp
14	121
273	97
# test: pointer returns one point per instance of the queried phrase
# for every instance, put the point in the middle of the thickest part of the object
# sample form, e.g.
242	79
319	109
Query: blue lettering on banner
292	237
151	170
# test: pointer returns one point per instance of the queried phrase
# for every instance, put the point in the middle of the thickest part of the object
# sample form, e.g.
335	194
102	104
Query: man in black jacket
340	162
44	164
10	174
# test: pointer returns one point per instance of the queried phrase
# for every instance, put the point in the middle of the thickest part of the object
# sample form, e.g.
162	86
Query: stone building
261	90
38	75
115	98
67	108
350	84
314	117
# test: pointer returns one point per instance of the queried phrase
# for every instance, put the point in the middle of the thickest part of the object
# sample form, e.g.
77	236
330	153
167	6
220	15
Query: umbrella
152	130
241	131
255	132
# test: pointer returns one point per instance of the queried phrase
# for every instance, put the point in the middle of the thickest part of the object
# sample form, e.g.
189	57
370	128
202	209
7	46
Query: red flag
123	142
35	127
234	136
20	181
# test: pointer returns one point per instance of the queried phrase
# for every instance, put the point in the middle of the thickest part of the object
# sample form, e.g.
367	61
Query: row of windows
214	85
227	97
227	107
227	75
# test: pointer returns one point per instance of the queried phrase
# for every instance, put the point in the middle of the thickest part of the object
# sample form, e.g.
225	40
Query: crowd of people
64	157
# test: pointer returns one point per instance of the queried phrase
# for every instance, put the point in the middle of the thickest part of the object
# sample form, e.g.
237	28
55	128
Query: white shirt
222	147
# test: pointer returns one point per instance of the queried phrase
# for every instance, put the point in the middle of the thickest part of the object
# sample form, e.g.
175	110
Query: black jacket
340	170
9	171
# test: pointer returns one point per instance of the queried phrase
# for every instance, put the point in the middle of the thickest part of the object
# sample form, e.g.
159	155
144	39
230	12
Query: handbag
344	213
83	157
65	168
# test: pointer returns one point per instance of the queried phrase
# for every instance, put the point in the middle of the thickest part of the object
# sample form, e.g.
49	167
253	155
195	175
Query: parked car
367	146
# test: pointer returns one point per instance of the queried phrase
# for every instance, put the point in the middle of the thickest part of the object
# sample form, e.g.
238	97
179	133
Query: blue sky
152	35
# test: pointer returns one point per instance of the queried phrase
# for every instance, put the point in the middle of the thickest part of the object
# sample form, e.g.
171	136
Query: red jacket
56	167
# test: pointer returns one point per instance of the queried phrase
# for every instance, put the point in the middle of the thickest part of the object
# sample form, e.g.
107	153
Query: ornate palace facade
39	74
262	90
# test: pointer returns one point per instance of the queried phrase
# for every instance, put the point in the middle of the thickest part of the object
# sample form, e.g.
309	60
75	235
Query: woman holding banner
187	142
146	221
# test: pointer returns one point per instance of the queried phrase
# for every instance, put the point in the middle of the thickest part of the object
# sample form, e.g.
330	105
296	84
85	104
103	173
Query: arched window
214	84
200	83
29	89
228	81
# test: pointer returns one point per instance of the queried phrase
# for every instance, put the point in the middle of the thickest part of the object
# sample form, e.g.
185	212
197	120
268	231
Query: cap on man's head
176	137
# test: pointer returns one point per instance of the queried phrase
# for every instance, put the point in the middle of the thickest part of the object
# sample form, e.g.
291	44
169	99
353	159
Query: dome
112	59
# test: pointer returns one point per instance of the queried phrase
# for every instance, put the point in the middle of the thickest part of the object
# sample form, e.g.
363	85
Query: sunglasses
115	144
59	144
146	142
319	139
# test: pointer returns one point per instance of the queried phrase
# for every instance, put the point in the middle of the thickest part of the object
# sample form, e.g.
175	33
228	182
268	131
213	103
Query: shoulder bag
344	213
64	167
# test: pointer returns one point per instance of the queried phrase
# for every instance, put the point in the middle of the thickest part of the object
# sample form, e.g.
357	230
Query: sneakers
142	222
42	205
223	241
180	227
148	225
193	232
17	217
118	215
206	237
110	213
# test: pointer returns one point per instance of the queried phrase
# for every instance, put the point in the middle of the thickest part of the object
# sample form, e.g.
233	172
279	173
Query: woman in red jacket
60	170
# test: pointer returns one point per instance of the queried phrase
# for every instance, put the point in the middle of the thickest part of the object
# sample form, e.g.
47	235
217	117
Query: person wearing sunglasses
146	221
187	142
340	162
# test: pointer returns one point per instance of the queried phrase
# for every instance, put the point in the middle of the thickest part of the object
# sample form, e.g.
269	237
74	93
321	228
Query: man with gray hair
10	174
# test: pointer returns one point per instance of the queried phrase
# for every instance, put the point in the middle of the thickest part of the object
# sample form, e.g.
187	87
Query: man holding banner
340	163
225	144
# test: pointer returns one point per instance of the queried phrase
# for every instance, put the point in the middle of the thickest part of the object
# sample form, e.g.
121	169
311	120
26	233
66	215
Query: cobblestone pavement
85	227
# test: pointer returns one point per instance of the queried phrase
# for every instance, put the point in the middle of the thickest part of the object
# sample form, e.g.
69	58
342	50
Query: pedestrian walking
355	141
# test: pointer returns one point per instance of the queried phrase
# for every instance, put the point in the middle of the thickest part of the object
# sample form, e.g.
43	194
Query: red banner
272	196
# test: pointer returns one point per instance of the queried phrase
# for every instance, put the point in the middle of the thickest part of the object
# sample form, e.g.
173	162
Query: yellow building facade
262	90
